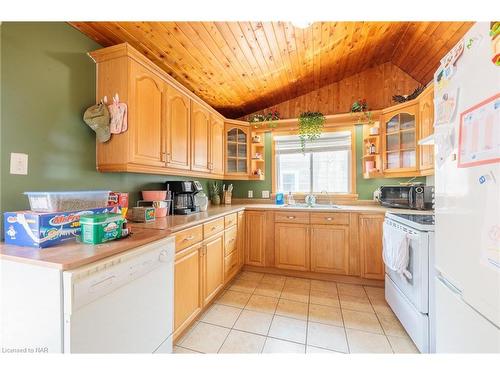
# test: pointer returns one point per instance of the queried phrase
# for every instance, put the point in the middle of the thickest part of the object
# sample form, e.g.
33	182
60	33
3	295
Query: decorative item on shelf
370	166
257	156
374	130
361	106
405	98
258	172
256	139
372	150
214	189
310	127
270	118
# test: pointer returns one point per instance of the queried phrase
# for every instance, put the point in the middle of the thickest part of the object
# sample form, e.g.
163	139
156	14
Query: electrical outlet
18	163
265	193
250	193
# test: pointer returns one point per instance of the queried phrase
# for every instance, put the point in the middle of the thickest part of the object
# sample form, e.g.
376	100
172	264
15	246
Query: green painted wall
364	188
47	82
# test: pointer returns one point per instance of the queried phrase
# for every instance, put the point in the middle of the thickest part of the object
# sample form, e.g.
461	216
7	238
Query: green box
100	228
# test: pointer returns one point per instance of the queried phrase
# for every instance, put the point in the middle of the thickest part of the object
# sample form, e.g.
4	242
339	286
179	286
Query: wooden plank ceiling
241	67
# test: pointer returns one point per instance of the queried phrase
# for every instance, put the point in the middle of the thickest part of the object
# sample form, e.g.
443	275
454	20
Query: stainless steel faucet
327	197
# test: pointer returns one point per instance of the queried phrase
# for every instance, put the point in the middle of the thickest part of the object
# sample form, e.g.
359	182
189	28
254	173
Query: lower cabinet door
292	246
187	287
330	249
370	243
213	267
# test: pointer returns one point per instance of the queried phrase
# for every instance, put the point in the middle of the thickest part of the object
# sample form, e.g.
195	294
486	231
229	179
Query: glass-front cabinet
400	151
237	151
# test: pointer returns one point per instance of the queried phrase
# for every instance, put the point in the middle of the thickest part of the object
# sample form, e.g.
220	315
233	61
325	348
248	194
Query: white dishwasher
122	304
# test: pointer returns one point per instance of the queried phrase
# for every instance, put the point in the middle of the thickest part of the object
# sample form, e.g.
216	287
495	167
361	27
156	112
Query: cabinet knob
290	217
188	238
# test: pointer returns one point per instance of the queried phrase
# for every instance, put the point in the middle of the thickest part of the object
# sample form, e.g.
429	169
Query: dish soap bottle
280	199
290	199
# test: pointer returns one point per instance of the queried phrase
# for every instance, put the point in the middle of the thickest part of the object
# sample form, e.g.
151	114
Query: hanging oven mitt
97	118
118	113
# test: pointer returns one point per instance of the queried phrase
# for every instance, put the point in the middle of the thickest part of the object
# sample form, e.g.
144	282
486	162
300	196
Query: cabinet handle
231	240
290	217
214	227
188	238
329	218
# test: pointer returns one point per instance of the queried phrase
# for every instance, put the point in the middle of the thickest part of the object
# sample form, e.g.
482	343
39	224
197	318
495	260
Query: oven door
395	196
416	288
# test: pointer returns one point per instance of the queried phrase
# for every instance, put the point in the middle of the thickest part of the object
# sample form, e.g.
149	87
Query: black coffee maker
183	193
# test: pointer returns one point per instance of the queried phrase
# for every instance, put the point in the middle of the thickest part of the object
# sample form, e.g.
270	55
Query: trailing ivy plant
310	127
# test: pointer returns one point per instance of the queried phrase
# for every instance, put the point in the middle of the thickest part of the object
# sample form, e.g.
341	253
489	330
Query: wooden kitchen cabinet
187	287
216	163
213	267
178	115
370	243
255	238
200	135
240	239
146	99
330	249
237	151
292	246
426	128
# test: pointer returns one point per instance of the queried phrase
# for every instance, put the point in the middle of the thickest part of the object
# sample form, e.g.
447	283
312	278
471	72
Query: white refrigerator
467	193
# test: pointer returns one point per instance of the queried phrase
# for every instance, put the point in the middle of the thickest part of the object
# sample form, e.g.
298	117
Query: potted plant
310	127
361	106
270	118
214	190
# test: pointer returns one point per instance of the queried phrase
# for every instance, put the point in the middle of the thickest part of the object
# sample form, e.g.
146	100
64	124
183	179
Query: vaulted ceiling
241	67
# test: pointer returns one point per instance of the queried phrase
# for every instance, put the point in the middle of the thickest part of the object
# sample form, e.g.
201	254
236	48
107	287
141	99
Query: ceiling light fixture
302	24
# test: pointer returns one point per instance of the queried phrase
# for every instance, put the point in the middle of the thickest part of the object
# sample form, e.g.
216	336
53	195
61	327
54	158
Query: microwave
415	197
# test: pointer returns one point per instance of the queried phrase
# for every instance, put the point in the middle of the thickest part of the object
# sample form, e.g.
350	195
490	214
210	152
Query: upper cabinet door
178	108
200	146
426	119
400	140
217	146
237	150
146	115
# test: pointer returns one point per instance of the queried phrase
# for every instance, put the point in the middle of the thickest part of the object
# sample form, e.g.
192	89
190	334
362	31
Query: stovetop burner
419	219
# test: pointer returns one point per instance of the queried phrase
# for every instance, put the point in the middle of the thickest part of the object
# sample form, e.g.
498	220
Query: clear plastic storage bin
59	201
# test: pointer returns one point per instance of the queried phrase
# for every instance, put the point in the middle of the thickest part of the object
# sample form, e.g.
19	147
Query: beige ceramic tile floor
262	313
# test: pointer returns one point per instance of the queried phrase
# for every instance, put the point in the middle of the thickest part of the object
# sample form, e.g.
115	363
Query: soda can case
39	229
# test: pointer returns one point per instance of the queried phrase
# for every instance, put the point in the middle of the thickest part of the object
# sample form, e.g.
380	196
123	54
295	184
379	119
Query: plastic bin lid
67	192
100	218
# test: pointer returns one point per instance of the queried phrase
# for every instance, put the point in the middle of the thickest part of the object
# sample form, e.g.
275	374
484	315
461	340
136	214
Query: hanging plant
258	120
310	127
361	106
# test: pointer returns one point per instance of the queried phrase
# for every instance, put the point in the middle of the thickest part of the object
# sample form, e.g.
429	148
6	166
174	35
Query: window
325	165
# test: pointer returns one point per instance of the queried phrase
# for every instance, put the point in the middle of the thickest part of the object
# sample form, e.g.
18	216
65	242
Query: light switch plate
265	193
250	193
18	163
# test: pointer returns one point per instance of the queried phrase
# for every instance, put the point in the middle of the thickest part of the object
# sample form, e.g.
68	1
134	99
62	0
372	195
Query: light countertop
72	254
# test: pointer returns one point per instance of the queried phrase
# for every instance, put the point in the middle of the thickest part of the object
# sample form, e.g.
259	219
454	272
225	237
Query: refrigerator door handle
449	285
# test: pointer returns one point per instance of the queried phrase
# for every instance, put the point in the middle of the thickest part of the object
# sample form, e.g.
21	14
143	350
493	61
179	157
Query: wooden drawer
291	217
188	237
330	218
230	240
230	220
230	265
213	227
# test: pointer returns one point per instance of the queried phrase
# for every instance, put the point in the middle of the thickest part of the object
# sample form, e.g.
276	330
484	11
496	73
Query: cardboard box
39	229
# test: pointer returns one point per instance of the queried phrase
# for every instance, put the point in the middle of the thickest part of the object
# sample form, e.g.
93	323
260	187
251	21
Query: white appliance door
461	329
467	211
121	305
416	288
